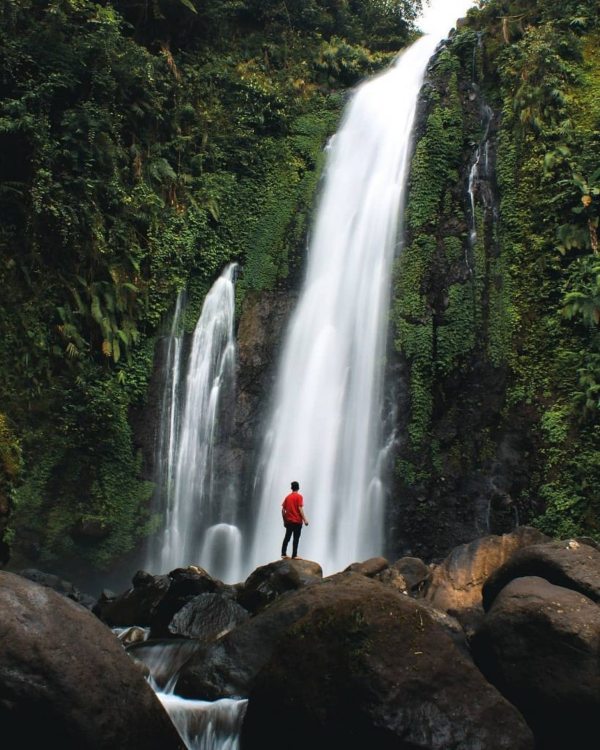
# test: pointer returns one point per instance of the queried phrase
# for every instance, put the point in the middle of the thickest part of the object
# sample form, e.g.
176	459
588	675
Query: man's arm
301	509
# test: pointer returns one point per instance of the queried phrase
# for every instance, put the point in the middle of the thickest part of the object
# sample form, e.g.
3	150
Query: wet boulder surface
268	582
568	562
456	584
539	641
358	662
66	681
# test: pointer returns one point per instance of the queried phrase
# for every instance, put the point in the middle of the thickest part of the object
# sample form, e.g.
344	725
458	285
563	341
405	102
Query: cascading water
200	517
169	424
202	725
325	429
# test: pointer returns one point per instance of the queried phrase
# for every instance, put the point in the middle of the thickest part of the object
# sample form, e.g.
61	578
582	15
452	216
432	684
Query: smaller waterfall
169	420
202	725
480	171
207	726
198	507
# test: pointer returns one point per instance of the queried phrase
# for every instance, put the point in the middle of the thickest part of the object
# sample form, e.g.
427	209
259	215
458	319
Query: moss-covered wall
499	337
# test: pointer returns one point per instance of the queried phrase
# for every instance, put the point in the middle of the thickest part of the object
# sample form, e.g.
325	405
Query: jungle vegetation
143	145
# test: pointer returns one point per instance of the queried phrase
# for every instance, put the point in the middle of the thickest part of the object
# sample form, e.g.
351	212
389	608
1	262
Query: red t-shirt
291	506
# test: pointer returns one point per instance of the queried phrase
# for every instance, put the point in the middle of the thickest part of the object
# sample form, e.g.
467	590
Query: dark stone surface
268	582
567	563
370	567
360	665
66	588
207	617
456	584
540	645
66	681
185	584
409	574
136	606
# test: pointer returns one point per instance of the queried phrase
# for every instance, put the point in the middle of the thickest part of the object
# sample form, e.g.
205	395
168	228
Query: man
292	510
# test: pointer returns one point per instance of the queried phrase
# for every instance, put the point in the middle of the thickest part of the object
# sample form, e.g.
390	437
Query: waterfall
480	170
205	725
200	508
202	725
169	422
325	425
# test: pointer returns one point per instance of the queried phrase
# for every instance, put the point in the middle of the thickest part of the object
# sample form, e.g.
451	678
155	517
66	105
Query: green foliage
548	73
133	167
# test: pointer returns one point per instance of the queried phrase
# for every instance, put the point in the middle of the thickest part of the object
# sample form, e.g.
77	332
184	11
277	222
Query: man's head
295	486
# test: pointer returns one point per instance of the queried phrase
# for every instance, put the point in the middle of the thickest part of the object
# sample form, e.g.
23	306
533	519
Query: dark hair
295	486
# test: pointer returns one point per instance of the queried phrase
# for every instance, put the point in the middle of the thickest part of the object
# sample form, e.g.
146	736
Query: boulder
359	664
268	582
137	605
569	563
184	585
66	588
540	645
133	634
410	575
456	584
66	681
207	617
370	567
226	668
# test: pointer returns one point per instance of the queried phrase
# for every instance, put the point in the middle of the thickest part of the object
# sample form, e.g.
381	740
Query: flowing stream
202	725
326	425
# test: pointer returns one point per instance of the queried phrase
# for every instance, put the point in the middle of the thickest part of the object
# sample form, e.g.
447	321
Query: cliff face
134	167
490	331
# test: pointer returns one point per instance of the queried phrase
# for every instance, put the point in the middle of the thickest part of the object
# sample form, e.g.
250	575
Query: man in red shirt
292	511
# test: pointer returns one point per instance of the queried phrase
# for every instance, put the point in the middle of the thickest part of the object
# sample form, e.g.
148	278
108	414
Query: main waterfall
326	423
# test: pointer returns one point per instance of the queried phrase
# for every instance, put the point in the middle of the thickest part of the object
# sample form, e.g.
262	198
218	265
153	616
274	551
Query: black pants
295	529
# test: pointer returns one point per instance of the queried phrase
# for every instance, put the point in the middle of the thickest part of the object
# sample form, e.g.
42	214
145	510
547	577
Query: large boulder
207	617
184	585
456	584
66	588
268	582
410	575
370	567
359	664
66	681
540	645
569	563
227	667
137	605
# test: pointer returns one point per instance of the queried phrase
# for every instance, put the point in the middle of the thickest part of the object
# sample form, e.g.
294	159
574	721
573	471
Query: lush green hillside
501	338
142	147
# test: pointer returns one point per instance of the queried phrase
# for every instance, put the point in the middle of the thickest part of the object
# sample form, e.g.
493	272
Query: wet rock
136	606
361	665
369	568
66	681
456	584
569	563
207	617
134	634
410	575
540	645
184	585
268	582
66	588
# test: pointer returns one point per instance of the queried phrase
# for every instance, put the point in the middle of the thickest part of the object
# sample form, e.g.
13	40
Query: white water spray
197	512
325	429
